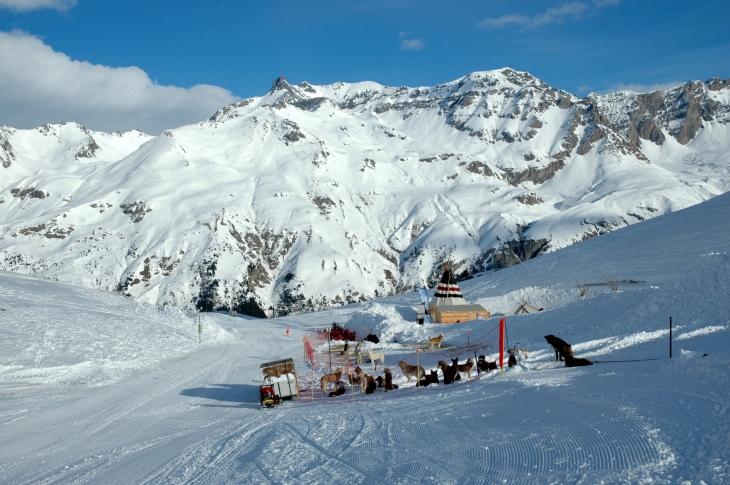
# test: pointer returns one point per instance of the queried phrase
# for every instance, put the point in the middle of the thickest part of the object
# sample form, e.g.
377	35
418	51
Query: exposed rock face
680	111
88	150
534	174
7	157
517	251
313	196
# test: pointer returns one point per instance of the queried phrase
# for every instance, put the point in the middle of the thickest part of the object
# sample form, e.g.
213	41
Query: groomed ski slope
99	389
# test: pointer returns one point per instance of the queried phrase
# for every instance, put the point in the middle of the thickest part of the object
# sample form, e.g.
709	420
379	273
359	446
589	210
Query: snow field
65	335
183	412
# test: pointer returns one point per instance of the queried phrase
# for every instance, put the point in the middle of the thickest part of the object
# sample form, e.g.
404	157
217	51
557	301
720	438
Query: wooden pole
418	370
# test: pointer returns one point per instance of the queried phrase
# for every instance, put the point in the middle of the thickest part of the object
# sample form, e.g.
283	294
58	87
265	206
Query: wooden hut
448	304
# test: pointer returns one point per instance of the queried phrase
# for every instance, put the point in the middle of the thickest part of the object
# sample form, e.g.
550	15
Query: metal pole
670	337
329	348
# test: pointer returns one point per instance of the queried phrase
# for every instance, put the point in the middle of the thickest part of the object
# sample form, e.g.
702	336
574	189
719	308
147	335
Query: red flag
287	331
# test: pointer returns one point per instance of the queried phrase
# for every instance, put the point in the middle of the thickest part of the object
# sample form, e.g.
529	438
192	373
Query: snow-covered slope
95	388
312	196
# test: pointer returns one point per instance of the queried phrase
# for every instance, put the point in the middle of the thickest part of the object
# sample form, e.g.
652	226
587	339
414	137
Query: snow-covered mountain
311	196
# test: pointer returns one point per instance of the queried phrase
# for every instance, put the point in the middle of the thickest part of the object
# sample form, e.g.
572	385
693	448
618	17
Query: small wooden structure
459	313
448	304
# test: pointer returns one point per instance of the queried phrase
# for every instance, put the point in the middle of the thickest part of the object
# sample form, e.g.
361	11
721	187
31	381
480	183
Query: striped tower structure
448	304
447	292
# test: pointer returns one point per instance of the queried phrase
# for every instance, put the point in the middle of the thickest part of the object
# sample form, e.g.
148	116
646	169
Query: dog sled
278	383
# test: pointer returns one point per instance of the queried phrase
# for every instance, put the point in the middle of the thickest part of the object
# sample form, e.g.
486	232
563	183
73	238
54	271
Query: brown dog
389	386
370	388
434	342
411	370
330	378
367	383
466	367
355	376
450	372
562	348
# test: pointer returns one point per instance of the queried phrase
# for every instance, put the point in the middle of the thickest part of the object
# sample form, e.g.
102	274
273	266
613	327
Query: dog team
451	373
369	384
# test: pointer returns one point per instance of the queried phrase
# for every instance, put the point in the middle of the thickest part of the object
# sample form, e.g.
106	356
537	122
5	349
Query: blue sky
240	47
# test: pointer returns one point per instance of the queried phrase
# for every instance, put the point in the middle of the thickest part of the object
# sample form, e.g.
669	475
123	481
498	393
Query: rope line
470	346
631	360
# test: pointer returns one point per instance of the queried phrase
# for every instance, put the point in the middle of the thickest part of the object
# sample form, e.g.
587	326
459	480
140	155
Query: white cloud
642	88
554	15
39	85
412	44
26	5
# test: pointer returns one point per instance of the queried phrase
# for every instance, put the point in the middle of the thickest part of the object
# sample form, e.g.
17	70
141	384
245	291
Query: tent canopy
525	307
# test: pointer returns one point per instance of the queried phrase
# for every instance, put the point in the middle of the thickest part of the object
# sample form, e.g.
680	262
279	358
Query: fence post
670	337
418	370
200	330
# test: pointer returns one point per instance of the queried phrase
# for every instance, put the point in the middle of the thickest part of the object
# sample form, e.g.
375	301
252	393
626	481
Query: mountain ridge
311	196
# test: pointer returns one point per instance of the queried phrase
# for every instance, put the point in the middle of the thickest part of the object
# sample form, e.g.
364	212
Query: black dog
484	366
340	390
433	378
372	338
576	362
563	350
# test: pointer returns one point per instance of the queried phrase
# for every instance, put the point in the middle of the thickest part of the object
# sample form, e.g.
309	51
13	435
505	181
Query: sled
278	382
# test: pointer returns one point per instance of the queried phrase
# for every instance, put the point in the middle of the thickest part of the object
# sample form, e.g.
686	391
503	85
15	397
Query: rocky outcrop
535	175
7	157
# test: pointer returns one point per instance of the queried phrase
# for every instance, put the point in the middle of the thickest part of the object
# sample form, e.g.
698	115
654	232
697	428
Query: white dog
358	353
376	355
